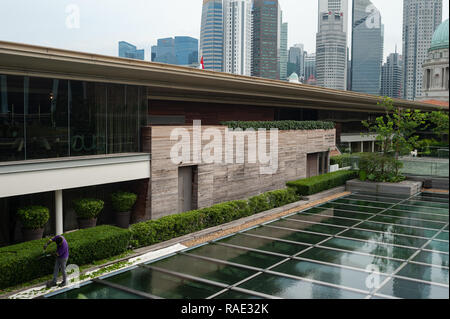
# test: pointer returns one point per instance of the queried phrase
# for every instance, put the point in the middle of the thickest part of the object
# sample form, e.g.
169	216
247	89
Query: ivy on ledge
281	125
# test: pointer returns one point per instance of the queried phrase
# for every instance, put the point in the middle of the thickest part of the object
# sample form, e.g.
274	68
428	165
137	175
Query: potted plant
87	210
33	220
122	203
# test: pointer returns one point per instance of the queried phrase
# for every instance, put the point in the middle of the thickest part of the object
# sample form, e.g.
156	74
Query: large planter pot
86	223
123	219
32	234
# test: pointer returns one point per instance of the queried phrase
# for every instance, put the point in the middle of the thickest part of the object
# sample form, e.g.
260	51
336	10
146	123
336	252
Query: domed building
435	68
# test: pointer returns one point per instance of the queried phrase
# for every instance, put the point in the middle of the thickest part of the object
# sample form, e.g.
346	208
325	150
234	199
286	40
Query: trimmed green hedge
317	184
23	262
156	231
281	125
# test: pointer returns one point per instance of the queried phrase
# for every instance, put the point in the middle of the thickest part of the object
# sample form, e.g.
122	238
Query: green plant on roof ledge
87	210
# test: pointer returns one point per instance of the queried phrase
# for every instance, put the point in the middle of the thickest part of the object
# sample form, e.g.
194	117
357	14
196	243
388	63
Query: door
184	189
312	165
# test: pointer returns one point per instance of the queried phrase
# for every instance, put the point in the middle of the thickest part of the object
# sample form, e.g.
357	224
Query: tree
440	123
397	129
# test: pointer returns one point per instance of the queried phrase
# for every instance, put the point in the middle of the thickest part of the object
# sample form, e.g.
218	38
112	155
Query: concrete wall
220	182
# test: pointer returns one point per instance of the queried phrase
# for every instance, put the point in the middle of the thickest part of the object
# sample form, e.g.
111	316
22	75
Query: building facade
127	50
420	19
238	28
436	67
331	44
284	54
178	51
296	62
211	35
266	39
367	48
310	76
67	133
391	76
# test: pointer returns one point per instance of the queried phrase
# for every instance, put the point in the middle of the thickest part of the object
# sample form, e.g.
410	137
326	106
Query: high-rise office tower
211	35
237	36
420	19
331	44
310	69
154	52
179	51
127	50
165	51
367	48
266	39
296	61
391	76
284	56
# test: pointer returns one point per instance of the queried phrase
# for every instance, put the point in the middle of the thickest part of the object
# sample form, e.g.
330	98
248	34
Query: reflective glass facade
367	48
127	50
50	118
211	38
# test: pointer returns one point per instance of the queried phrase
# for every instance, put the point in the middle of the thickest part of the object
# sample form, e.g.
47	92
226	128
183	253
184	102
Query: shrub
88	208
123	202
378	168
155	231
24	262
33	217
281	125
313	185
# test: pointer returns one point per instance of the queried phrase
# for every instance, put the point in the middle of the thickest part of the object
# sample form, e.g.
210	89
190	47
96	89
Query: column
373	146
362	147
59	212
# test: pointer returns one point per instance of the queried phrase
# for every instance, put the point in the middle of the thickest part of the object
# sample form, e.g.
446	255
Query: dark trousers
60	264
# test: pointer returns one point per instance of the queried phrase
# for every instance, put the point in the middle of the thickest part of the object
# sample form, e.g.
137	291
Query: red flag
202	63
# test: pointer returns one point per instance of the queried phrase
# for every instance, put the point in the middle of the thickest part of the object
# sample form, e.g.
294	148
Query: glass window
46	118
12	117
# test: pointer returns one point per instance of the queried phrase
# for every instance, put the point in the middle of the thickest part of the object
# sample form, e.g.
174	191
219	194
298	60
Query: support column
59	212
362	147
373	147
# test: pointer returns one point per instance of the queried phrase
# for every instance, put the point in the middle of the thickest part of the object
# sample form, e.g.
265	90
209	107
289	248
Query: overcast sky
103	23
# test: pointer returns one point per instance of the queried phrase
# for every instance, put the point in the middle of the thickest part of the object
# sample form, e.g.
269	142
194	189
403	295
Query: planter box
402	188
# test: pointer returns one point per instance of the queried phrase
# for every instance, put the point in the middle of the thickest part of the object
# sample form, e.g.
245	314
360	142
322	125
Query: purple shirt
63	249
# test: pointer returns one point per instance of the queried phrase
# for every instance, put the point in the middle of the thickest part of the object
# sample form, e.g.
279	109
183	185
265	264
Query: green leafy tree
397	129
440	123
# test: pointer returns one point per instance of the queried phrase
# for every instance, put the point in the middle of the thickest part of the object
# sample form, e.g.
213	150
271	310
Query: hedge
317	184
24	262
156	231
281	125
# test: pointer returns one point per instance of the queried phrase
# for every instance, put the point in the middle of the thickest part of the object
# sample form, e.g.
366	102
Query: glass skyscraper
211	38
178	51
266	39
367	48
391	76
127	50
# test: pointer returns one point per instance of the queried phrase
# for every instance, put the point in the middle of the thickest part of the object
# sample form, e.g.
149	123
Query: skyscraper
211	35
296	61
154	52
165	51
179	51
127	50
266	39
237	36
331	44
391	76
310	69
284	51
367	48
420	19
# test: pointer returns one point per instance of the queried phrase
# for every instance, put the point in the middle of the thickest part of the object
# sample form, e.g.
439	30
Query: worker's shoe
63	284
51	284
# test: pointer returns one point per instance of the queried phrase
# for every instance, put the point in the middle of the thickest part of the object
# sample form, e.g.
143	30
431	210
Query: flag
202	63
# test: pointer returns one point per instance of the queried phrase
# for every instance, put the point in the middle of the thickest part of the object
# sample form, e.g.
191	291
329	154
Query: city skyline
148	21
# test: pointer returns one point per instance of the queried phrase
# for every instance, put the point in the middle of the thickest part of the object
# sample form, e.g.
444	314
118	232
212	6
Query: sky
96	26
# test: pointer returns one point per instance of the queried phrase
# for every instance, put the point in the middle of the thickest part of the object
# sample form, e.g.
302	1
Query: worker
62	254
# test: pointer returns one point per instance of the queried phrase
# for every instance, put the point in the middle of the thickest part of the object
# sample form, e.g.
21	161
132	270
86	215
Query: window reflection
50	118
